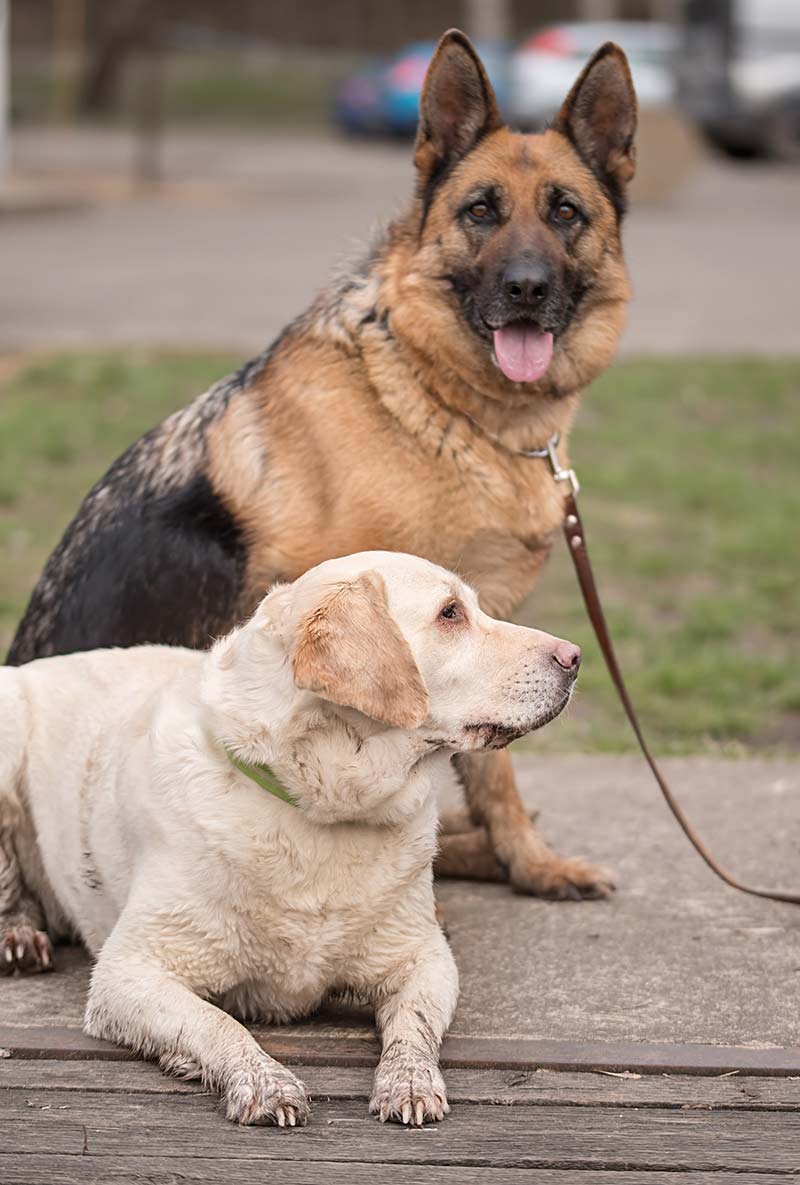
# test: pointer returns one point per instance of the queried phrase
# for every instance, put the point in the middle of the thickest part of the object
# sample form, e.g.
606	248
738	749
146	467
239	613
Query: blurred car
739	75
383	98
545	66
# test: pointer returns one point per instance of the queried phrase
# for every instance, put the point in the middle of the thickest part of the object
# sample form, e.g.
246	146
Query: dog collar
263	776
559	472
548	451
541	452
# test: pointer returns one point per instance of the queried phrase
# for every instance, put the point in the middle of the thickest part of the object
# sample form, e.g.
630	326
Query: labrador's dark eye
452	611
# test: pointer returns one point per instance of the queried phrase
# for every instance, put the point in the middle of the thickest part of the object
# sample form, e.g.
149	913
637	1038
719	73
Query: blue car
383	98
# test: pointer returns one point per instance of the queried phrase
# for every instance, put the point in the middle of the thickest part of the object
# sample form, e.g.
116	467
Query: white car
742	84
544	68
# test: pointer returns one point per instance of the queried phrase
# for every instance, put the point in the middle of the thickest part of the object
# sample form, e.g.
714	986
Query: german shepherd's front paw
559	878
266	1094
411	1093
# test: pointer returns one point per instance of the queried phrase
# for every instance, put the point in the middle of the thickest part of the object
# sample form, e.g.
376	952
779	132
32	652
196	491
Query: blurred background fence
732	65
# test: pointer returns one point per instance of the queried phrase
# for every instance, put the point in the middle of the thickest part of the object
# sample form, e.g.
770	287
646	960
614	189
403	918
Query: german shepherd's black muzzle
521	308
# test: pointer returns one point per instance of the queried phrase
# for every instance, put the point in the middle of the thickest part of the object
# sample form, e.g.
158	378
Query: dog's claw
267	1094
411	1094
25	949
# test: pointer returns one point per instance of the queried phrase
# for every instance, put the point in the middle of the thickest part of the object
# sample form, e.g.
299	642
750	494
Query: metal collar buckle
559	472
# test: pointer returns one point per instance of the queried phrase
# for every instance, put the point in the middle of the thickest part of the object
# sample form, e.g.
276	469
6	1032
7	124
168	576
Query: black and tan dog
391	415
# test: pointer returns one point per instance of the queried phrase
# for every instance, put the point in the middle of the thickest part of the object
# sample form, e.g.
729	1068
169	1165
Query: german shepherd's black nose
525	283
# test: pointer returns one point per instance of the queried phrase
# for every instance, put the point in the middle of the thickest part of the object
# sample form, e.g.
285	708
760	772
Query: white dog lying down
136	810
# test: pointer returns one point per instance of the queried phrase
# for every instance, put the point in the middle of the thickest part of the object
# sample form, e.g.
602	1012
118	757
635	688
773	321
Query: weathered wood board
97	1121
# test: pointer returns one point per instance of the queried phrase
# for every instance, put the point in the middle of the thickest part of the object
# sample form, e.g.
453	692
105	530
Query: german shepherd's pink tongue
523	352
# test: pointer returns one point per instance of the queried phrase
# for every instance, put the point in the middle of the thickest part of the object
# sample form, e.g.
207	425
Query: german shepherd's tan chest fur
312	446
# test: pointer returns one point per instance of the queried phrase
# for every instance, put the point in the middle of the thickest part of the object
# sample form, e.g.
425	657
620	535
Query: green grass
292	91
210	88
690	497
691	503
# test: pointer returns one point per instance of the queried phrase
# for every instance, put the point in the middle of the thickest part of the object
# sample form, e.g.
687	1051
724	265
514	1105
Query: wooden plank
619	1056
57	1043
163	1170
90	1075
457	1052
186	1127
506	1087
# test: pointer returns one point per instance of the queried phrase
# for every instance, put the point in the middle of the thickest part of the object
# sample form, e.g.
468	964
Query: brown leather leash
576	542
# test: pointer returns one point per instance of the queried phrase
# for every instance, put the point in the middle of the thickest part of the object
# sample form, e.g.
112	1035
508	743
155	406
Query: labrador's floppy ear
599	117
458	107
350	651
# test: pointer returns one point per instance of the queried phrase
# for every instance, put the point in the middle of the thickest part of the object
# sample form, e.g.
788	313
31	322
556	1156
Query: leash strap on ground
576	542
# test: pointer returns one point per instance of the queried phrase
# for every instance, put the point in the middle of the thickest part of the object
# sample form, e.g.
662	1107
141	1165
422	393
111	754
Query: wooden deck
672	1050
73	1110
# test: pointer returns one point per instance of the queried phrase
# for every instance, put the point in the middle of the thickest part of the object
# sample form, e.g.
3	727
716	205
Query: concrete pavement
675	956
247	228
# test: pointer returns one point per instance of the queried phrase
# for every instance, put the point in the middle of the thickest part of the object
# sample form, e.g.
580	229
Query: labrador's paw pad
413	1095
267	1094
24	948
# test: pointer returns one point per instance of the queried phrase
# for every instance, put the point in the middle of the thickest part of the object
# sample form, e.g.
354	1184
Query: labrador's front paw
266	1094
412	1093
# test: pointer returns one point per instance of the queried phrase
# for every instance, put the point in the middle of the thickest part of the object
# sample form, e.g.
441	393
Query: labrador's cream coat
200	893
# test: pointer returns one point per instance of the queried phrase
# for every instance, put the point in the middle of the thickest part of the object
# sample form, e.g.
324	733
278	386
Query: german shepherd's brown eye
566	212
480	211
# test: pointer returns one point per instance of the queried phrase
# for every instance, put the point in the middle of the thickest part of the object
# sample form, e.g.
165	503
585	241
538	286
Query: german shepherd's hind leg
24	944
511	843
467	855
465	849
458	820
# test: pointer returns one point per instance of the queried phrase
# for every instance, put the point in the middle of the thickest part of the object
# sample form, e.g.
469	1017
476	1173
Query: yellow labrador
255	825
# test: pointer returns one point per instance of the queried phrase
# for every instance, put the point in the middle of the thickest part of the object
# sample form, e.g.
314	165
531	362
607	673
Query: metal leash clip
559	473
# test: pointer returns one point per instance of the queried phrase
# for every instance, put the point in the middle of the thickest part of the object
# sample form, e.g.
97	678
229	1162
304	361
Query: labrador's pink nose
568	656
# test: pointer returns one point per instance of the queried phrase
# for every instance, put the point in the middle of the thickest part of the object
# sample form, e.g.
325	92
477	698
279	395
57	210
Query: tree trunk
125	29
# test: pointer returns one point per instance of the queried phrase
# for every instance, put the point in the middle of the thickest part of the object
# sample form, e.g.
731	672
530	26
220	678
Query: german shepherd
392	415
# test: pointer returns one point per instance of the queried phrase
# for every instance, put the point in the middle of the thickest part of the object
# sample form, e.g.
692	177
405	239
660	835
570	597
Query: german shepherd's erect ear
349	650
457	109
599	118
